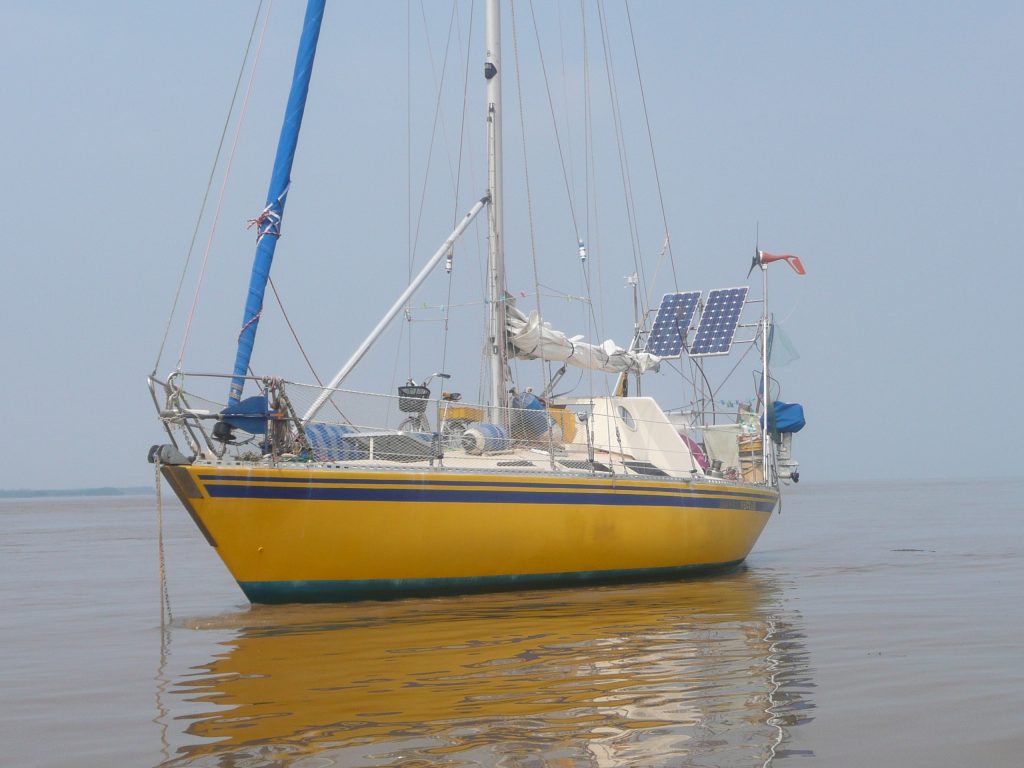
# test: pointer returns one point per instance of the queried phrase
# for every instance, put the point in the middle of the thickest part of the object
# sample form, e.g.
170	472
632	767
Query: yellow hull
320	534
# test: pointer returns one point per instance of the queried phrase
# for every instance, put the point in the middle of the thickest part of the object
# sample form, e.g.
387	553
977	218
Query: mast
496	347
268	223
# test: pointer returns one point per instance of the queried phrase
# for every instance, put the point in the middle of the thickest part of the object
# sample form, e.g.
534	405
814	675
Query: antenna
757	248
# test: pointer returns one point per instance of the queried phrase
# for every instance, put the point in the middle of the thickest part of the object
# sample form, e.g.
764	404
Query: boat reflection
711	671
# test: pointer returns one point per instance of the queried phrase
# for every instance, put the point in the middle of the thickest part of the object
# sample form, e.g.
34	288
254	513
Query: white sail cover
532	338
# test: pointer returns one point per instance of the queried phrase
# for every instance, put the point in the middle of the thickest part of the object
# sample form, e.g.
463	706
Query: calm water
877	624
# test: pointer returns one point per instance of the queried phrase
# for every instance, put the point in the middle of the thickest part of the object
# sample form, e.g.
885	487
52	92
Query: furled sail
268	223
532	338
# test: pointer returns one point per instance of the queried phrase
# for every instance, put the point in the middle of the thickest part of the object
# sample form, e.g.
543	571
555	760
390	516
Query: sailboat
321	493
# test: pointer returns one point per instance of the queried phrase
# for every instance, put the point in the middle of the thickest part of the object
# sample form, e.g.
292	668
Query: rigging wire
551	107
555	293
565	98
458	181
224	184
398	355
650	140
438	117
695	365
462	122
590	172
291	328
725	379
587	116
592	321
624	170
600	322
545	368
408	171
298	343
209	186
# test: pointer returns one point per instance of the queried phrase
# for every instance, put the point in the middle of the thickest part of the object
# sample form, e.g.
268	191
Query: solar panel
671	323
718	322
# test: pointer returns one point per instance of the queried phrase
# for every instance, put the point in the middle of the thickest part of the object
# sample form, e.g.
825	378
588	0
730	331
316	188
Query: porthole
627	418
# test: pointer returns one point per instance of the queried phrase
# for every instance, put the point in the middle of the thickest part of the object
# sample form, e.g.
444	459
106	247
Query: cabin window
627	418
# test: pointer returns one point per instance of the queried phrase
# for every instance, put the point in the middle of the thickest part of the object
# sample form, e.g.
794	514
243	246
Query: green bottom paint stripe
276	592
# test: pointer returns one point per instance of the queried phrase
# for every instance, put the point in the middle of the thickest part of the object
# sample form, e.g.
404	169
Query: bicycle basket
412	399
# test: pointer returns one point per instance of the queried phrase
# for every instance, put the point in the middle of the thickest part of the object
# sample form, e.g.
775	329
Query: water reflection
707	672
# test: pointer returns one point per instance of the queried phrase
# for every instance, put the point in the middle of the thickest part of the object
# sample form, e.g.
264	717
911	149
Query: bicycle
413	399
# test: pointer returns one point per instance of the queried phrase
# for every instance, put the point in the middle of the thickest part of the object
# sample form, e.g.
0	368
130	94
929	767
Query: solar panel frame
672	323
718	322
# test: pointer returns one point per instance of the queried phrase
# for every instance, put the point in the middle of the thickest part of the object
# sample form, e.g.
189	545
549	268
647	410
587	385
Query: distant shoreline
25	493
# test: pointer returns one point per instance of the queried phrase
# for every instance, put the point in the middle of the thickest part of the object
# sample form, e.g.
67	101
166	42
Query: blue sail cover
269	222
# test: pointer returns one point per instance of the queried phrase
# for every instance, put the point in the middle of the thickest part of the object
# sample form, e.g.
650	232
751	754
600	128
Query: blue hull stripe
390	589
510	496
419	482
310	480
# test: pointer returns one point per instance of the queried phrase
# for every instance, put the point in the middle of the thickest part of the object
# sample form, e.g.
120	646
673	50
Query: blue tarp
335	442
249	415
528	419
786	417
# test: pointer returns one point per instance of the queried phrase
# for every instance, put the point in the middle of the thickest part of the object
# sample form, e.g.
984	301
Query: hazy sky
879	141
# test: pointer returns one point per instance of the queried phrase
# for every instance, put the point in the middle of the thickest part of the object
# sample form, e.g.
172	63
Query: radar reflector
719	320
671	323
